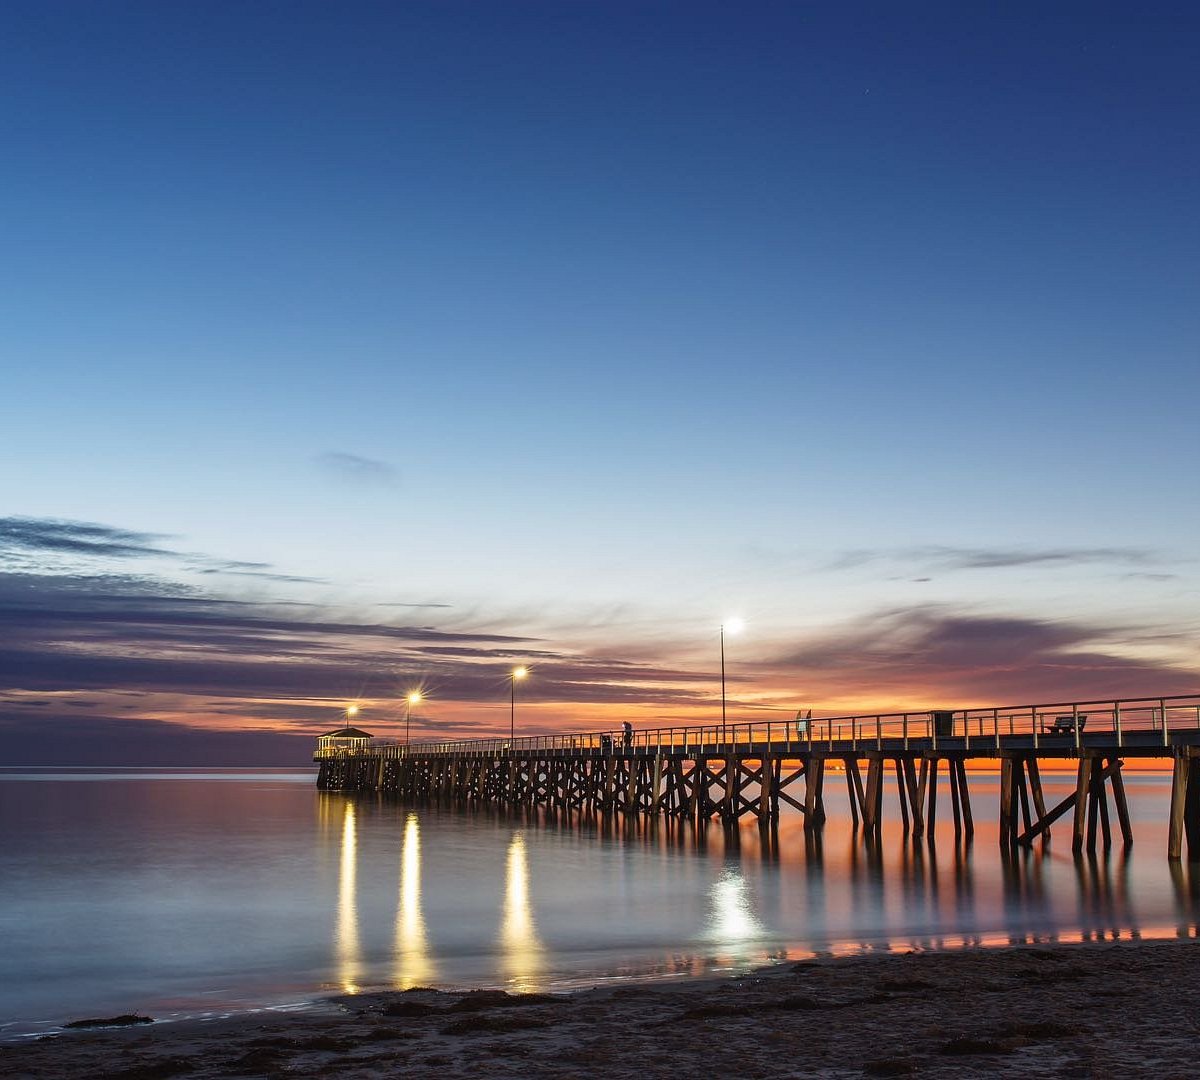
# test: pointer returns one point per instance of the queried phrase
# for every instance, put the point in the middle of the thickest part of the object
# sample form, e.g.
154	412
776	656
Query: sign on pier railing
1054	724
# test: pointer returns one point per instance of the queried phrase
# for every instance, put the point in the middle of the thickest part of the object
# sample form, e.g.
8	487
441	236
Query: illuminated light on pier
413	697
732	626
514	677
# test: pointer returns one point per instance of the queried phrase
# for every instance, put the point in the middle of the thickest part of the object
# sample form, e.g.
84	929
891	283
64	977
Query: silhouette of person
627	734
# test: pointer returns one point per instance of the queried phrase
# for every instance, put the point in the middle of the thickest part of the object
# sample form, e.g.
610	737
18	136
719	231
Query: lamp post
734	626
412	700
514	675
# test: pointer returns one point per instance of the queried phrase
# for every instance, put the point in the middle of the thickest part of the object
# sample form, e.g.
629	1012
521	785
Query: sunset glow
833	348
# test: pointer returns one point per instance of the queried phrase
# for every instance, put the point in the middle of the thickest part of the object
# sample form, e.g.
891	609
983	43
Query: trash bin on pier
943	723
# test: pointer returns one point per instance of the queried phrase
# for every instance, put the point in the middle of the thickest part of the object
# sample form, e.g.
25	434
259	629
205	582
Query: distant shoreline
1094	1009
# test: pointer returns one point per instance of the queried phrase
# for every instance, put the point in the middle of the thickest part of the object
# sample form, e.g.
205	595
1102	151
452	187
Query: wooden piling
964	798
1082	783
1008	830
1191	821
931	805
901	794
814	800
854	788
914	802
1035	788
954	800
1181	784
1101	803
1119	799
873	807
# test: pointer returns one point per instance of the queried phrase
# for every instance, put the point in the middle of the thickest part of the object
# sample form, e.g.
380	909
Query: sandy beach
1095	1010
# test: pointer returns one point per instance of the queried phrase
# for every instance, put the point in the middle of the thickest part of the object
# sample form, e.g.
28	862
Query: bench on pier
1065	725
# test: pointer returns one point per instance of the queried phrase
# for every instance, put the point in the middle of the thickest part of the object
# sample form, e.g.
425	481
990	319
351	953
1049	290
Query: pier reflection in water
655	896
734	927
521	950
413	964
264	890
347	946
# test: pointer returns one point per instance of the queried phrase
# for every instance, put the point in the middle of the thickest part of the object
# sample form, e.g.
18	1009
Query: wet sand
1095	1010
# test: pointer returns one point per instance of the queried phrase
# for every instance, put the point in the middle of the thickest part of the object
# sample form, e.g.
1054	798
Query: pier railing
1053	724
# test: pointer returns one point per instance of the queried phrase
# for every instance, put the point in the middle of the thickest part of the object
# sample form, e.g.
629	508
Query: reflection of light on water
349	952
413	967
731	920
518	935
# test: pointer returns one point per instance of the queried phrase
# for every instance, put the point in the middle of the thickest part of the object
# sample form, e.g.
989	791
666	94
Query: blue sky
597	322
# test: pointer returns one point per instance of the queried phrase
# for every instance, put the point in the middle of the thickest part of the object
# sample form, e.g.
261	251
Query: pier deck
738	769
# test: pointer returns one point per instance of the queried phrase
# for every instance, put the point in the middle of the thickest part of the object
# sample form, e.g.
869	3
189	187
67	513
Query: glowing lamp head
520	672
733	626
351	711
414	697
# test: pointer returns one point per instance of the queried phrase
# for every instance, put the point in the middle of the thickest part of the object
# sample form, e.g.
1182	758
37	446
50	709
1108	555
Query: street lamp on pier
733	626
412	699
513	676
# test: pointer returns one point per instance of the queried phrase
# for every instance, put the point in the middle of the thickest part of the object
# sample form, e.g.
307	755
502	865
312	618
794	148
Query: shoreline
1104	1008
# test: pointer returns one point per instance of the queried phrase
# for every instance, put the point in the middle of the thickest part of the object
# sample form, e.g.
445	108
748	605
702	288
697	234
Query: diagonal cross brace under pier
1041	826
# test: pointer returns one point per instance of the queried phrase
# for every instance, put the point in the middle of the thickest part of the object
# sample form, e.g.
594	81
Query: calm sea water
192	893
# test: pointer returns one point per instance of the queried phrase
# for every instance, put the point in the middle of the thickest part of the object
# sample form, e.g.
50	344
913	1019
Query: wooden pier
739	769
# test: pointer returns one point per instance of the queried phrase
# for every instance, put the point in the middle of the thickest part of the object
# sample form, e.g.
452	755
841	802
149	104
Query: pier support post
853	788
1180	785
766	776
931	806
1008	824
731	785
1082	781
955	800
1118	786
873	805
902	795
1035	789
964	799
922	788
909	767
814	793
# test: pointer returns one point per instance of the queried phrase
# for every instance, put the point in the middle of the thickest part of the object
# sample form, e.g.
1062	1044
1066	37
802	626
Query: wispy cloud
77	538
935	557
354	469
263	575
959	654
103	661
984	558
41	544
124	648
389	604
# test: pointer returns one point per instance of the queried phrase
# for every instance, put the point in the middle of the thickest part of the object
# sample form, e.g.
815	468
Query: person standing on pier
627	734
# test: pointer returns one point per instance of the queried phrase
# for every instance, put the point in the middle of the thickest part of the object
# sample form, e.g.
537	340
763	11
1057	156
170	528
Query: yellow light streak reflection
413	964
518	935
347	947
